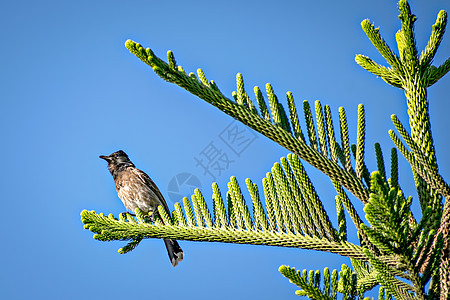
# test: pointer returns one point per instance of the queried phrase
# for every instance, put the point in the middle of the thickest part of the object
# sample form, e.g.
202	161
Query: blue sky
71	91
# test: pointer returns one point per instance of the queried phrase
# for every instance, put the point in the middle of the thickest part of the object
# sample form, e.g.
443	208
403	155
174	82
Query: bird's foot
124	214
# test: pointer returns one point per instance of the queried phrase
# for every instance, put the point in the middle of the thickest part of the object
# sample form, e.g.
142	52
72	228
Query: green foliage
271	121
310	284
408	258
388	213
299	221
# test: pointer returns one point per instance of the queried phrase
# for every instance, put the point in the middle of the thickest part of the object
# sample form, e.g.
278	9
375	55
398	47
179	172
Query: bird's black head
117	161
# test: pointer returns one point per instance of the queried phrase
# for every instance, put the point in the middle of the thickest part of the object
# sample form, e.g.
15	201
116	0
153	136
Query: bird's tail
174	250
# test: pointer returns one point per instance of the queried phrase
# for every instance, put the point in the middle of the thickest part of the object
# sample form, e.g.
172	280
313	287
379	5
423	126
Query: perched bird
136	189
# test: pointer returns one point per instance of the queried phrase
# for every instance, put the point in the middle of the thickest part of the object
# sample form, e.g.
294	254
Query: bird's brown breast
134	192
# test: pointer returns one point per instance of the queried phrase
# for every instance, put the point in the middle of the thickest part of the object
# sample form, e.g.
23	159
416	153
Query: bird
137	190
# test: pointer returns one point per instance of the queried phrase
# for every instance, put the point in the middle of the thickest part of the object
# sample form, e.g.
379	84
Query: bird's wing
149	182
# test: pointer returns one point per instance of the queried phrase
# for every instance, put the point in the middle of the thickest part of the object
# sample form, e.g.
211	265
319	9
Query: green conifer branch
416	76
312	201
345	283
271	218
423	248
392	244
383	294
109	229
360	143
288	204
130	246
405	37
345	140
278	113
280	131
353	215
433	74
387	74
287	211
393	182
189	213
380	161
415	80
388	213
327	282
199	218
202	78
418	287
364	171
262	105
334	146
385	276
178	214
367	275
366	280
348	206
434	258
417	153
302	214
294	117
434	290
336	152
420	164
231	211
220	213
374	36
342	223
437	33
258	211
242	213
310	125
275	204
302	281
203	208
321	129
